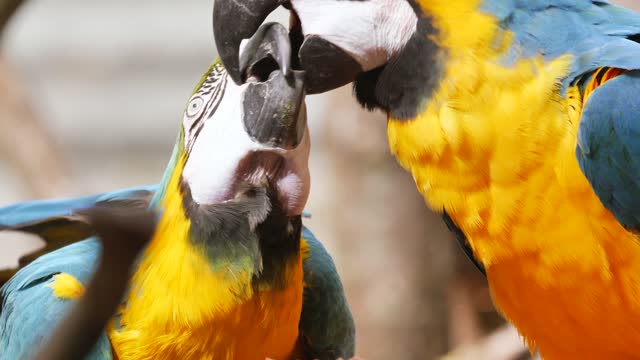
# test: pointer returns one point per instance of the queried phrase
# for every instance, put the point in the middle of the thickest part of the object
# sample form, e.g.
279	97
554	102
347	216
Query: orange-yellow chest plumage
495	148
181	307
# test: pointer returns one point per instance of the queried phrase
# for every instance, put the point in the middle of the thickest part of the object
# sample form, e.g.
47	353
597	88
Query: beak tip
235	76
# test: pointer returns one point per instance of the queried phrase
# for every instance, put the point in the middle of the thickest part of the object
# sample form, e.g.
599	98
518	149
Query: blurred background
91	95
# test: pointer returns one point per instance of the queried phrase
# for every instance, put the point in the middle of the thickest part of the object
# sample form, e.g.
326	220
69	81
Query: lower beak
233	21
273	102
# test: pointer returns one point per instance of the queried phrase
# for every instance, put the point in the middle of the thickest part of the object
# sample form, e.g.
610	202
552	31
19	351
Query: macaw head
383	46
252	134
238	180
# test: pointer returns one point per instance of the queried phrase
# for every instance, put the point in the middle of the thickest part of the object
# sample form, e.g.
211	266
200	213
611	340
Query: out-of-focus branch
26	144
464	327
502	344
123	233
7	9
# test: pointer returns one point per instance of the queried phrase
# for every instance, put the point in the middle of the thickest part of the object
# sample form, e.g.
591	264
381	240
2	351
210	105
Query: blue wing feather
29	309
41	209
38	210
609	146
326	322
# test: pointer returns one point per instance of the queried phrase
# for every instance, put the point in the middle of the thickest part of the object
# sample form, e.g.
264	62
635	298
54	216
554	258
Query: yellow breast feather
495	148
179	308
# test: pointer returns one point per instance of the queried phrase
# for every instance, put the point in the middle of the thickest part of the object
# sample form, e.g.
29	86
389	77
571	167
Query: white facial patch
217	142
217	148
370	31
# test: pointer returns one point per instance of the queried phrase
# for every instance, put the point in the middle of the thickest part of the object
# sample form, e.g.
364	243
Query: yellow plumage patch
495	148
66	286
179	307
601	76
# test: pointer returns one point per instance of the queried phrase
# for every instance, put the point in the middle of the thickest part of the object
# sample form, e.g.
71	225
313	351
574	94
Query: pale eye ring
195	106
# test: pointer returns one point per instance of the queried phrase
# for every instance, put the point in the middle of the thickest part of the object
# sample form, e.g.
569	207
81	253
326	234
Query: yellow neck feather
487	130
179	307
178	276
462	27
495	148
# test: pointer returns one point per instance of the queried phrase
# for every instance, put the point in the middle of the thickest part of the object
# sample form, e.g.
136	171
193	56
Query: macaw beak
273	103
326	65
234	21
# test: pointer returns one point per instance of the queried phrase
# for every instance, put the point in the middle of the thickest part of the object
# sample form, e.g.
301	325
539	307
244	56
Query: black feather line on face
404	85
212	91
224	230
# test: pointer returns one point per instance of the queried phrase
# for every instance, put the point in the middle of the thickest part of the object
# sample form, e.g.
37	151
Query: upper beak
326	65
233	21
273	103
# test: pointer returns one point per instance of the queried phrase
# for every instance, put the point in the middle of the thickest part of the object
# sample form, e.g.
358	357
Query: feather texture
37	210
55	222
609	146
323	335
326	325
596	33
30	310
495	148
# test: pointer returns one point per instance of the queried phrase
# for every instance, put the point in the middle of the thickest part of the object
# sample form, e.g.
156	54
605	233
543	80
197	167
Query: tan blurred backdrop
91	97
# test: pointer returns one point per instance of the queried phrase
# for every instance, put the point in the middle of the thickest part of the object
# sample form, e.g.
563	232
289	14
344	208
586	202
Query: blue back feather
596	33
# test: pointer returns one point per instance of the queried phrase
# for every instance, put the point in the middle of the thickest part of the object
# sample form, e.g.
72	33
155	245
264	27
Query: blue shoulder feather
595	32
55	223
30	311
41	209
608	148
326	323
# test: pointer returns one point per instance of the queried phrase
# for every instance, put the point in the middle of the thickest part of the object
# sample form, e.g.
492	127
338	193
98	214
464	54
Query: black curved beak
234	21
273	103
326	65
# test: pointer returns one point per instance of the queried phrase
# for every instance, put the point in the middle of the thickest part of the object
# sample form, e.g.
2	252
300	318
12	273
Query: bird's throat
178	303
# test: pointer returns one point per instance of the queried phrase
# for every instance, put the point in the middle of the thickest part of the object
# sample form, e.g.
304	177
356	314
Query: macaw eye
195	107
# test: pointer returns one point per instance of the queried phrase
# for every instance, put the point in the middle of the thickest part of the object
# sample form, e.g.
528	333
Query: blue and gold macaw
230	273
520	122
